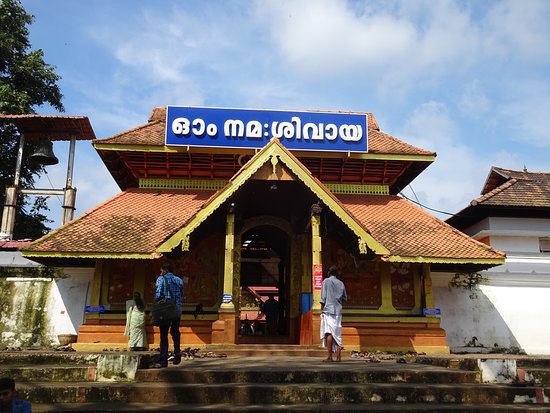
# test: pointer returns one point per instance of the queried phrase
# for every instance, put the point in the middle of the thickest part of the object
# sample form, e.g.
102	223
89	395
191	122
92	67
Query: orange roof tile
508	188
135	221
58	127
408	231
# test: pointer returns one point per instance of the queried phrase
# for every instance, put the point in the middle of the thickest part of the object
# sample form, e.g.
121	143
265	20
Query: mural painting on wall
203	268
121	281
199	269
361	276
402	286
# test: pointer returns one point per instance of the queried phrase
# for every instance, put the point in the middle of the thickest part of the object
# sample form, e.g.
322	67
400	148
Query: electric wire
51	185
424	206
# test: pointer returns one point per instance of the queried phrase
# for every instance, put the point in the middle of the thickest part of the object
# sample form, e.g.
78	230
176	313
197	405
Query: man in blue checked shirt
169	286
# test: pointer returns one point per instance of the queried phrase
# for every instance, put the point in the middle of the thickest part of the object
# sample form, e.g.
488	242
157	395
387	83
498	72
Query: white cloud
335	38
474	102
457	175
518	30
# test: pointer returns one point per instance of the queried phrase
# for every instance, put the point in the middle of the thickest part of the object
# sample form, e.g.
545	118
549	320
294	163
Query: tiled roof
138	221
408	231
153	133
13	245
516	189
135	221
58	127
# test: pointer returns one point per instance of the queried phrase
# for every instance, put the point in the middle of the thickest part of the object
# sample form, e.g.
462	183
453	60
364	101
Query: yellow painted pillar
227	300
428	289
385	280
316	261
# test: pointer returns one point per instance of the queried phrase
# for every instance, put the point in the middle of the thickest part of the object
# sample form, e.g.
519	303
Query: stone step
300	407
49	372
531	361
279	393
537	376
384	372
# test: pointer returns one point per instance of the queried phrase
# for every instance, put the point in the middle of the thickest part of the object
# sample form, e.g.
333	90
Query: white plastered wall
37	310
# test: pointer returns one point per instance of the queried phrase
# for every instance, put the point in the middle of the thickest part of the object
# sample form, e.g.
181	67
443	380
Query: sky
469	80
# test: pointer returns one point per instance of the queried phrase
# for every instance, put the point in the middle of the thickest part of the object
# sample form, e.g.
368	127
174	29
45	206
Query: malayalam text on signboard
253	128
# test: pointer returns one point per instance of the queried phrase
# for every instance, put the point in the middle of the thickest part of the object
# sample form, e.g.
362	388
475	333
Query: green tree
26	82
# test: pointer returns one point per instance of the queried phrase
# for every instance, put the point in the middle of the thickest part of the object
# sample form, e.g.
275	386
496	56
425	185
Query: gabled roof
508	193
141	223
274	152
141	152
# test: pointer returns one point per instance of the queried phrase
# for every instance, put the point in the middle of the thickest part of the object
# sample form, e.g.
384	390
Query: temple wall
507	312
34	311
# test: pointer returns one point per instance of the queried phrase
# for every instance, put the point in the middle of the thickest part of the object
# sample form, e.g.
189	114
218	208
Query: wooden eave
128	163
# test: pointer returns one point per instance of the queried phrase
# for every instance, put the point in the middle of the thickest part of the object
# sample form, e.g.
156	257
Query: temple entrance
264	286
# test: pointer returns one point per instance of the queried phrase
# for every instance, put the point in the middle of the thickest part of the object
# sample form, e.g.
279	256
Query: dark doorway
264	286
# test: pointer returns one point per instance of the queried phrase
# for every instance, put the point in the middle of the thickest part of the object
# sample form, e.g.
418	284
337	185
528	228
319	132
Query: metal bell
44	153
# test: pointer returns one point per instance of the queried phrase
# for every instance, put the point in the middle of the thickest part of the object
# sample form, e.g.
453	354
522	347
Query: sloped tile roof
135	221
138	221
153	133
516	189
59	127
408	231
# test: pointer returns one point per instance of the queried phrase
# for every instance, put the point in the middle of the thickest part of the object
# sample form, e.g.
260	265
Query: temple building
248	204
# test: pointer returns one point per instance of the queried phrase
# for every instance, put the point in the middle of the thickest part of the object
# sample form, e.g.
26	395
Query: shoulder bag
165	309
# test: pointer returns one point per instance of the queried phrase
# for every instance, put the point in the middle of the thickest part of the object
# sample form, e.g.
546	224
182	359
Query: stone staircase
275	378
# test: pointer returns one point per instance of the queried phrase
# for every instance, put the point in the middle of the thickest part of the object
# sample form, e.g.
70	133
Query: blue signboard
94	309
227	298
254	128
432	311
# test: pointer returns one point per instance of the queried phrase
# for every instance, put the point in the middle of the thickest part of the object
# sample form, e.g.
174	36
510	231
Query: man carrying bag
169	292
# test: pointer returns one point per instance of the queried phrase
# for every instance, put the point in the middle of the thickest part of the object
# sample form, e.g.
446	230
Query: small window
544	244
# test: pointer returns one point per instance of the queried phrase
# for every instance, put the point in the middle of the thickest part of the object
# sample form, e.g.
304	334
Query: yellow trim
233	151
358	189
165	183
273	150
349	316
440	260
122	255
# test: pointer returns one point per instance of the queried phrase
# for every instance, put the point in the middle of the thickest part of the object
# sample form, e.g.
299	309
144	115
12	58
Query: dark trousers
174	327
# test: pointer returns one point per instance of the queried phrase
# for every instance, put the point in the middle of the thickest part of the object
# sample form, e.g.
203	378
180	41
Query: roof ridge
137	128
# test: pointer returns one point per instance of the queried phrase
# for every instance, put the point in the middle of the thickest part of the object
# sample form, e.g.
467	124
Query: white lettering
211	129
198	127
283	129
298	122
180	126
316	131
351	133
254	129
331	135
233	128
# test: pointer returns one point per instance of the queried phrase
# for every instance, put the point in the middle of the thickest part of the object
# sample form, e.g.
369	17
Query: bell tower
43	130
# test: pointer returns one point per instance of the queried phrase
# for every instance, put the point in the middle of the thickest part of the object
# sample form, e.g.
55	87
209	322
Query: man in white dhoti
333	293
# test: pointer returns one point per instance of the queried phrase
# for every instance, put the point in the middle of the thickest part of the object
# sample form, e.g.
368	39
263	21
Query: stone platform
255	379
